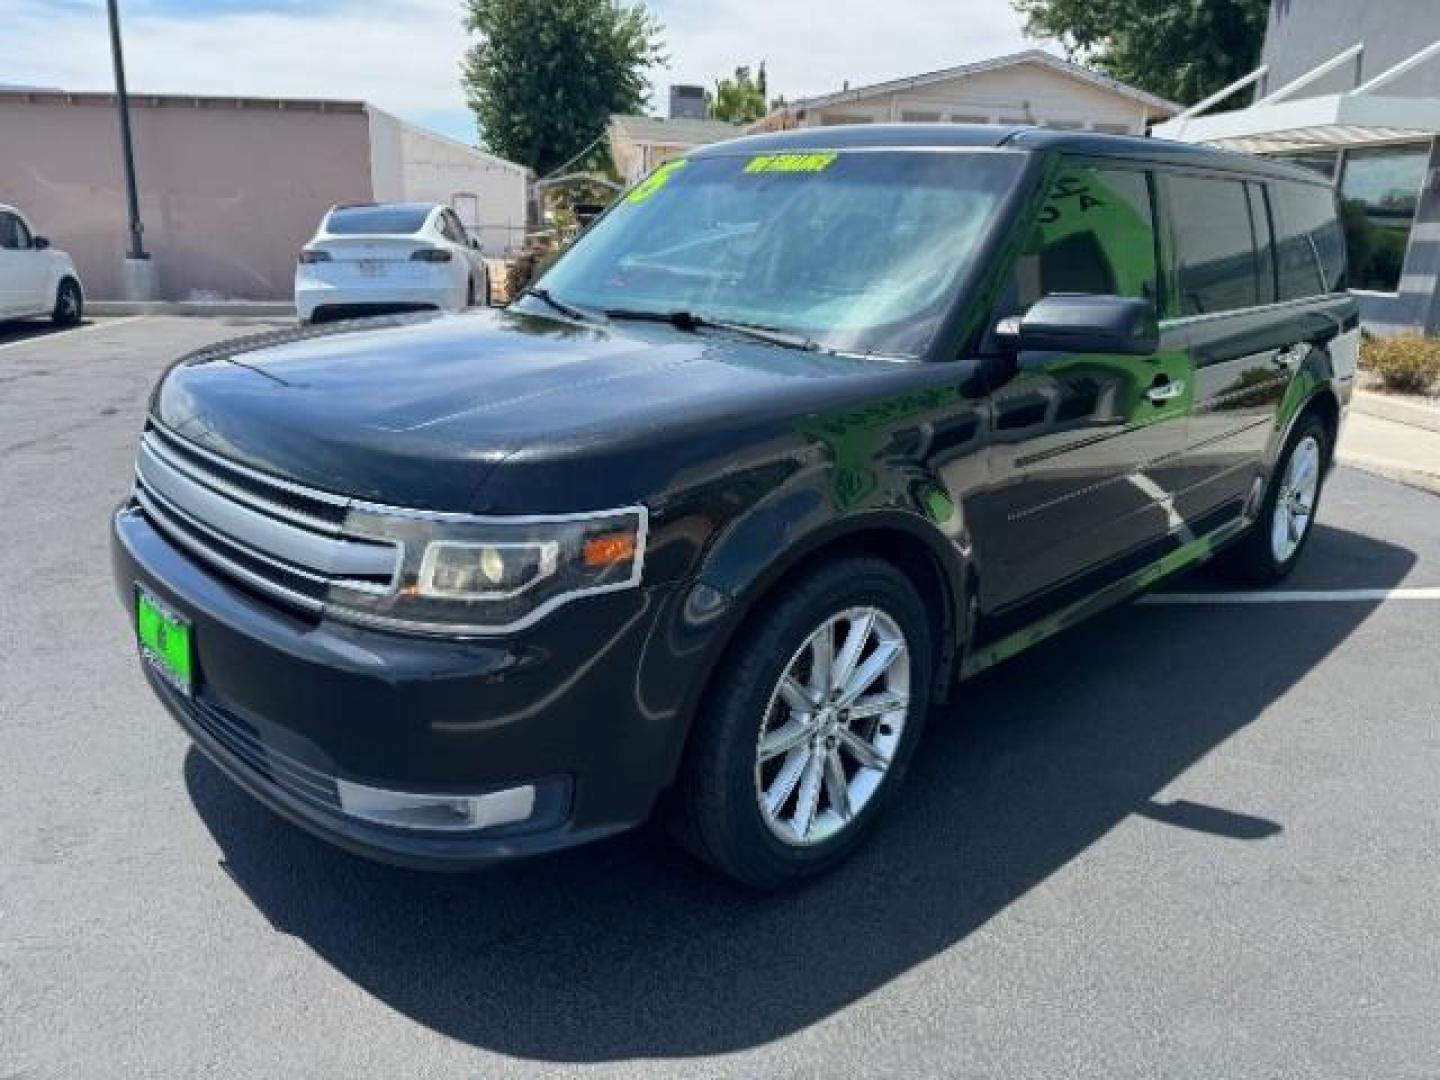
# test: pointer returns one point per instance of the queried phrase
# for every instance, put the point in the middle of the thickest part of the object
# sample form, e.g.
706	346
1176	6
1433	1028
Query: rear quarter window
1309	240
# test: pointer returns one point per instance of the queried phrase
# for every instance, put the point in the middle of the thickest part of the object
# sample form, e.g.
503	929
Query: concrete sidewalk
1397	439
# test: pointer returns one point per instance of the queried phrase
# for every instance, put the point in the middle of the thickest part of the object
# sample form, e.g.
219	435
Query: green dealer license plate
164	640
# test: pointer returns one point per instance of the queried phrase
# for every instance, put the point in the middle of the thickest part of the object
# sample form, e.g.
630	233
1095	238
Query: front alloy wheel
832	727
808	725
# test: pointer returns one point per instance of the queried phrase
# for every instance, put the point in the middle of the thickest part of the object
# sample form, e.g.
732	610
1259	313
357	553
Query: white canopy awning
1333	120
1281	122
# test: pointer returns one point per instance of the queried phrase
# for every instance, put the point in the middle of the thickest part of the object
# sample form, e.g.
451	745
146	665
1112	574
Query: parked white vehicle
35	278
384	257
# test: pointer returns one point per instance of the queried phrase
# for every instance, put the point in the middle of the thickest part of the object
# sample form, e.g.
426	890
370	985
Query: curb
1385	407
1392	470
196	308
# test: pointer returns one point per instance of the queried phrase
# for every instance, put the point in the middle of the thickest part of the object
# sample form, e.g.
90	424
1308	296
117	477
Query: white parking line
1294	596
62	335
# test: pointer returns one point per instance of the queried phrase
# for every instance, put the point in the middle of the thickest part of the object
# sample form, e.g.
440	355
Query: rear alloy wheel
69	304
808	727
1272	547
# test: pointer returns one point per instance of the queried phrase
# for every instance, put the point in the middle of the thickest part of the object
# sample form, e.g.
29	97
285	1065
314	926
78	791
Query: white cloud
404	55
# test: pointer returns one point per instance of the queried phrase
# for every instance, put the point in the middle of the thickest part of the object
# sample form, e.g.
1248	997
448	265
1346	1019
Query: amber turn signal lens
609	549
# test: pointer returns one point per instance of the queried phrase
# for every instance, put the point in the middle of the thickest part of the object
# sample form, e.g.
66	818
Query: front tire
69	304
809	725
1272	547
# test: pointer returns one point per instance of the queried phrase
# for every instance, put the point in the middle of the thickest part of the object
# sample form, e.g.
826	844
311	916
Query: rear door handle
1167	391
1288	358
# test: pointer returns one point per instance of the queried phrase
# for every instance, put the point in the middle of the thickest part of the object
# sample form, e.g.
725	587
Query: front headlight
459	574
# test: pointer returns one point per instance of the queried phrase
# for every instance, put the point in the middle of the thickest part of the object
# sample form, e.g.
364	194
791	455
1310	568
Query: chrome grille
271	534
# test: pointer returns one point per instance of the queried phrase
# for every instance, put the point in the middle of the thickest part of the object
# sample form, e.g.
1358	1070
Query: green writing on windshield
655	181
790	163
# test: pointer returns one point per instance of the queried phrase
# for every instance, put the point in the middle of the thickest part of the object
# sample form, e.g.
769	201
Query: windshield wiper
688	320
545	296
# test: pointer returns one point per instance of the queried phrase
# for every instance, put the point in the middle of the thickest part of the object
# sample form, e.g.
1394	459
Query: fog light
445	813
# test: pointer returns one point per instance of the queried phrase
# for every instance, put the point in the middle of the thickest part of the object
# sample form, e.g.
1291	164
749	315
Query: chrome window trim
1180	321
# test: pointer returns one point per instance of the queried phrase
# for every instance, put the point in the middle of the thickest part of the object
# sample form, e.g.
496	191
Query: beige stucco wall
228	195
1024	93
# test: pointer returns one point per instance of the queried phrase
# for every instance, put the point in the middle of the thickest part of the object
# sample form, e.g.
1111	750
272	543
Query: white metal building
1366	114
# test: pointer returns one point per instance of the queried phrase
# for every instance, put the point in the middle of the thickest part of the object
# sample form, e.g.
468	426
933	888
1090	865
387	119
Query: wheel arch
942	579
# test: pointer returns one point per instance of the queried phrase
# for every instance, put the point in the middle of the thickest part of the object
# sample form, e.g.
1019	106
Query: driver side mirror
1082	323
39	243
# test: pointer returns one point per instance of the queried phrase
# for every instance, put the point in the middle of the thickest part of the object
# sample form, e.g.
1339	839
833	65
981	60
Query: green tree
1180	49
741	99
544	76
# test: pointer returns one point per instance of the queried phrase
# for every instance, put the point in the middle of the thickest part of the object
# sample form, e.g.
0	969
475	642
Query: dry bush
1406	363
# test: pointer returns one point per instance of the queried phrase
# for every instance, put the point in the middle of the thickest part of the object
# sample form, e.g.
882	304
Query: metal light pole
139	274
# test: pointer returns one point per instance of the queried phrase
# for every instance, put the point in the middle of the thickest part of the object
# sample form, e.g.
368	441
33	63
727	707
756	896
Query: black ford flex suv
806	430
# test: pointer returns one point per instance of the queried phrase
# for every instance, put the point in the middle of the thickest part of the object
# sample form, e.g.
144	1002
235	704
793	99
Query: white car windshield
855	251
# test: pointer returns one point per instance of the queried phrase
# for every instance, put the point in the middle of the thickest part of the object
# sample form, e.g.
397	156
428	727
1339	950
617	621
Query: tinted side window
1264	240
1216	264
12	233
1095	234
1310	242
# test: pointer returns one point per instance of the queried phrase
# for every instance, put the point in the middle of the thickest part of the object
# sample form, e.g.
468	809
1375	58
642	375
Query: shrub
1406	363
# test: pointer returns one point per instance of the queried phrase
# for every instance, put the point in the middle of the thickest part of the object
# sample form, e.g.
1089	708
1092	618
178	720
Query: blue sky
404	55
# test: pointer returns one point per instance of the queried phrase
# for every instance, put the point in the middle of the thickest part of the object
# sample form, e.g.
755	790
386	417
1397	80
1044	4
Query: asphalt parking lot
1186	840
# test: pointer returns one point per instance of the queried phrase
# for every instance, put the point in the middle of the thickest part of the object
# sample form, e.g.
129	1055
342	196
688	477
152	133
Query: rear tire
69	304
792	757
1272	547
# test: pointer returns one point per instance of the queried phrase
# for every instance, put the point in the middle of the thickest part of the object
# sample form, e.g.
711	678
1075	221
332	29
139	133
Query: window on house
911	116
1380	187
968	118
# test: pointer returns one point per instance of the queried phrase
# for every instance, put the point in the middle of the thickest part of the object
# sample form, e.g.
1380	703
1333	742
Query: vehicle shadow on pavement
29	330
629	949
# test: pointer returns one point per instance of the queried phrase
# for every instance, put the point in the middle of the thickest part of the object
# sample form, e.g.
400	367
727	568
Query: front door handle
1166	391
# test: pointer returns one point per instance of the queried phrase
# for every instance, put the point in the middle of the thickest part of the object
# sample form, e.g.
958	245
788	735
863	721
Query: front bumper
576	705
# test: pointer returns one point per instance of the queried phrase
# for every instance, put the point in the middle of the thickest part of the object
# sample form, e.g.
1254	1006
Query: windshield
857	252
372	220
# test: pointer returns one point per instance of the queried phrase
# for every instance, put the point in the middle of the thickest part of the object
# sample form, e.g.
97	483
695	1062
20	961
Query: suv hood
420	412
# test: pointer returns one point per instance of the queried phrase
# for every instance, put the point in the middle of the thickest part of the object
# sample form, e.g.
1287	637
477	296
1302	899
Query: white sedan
375	258
35	278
